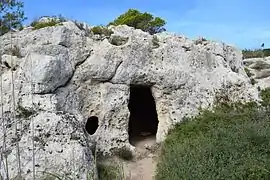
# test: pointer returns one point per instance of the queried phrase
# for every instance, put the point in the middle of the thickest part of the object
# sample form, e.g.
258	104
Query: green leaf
144	21
11	15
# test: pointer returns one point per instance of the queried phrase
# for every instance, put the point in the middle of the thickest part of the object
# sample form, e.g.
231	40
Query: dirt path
144	165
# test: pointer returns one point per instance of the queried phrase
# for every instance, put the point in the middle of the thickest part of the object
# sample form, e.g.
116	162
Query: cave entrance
143	121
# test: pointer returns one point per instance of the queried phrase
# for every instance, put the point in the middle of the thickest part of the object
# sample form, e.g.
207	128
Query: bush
45	24
256	53
265	95
101	30
266	52
232	142
38	25
143	21
52	21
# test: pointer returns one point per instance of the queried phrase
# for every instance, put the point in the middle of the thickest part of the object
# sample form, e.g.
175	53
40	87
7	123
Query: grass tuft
110	172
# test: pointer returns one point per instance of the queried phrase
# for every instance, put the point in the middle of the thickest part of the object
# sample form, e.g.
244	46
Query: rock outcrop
54	143
258	70
64	75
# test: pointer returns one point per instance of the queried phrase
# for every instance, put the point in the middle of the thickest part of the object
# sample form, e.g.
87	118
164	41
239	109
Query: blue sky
242	23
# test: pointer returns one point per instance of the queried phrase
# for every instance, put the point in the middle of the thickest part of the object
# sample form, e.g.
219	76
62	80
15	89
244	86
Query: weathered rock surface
55	143
259	70
63	68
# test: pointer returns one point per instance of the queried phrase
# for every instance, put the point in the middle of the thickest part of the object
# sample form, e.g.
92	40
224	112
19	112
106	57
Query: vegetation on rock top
52	21
101	30
144	21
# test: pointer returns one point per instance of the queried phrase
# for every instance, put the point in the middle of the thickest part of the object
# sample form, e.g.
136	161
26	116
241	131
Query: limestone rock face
65	69
259	70
54	142
46	71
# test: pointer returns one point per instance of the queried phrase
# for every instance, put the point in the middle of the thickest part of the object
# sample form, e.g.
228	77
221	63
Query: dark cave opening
143	119
91	125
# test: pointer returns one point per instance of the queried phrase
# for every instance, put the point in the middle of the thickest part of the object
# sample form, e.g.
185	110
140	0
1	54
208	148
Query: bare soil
143	166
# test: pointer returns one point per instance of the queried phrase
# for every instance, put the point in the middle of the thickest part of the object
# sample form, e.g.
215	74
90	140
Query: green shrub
39	25
55	20
102	30
231	142
248	53
256	53
11	15
144	21
266	52
265	95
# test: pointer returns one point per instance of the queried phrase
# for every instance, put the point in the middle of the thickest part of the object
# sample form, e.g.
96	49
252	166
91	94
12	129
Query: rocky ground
258	69
144	165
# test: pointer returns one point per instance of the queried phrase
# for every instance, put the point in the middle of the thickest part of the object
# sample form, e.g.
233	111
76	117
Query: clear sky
242	23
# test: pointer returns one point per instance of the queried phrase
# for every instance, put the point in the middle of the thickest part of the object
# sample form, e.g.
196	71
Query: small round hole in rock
91	125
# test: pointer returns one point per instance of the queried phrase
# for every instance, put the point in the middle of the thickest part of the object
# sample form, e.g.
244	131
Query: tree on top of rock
143	21
11	15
